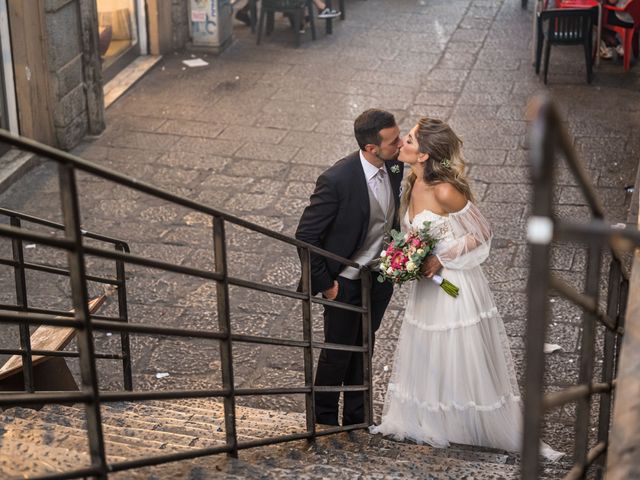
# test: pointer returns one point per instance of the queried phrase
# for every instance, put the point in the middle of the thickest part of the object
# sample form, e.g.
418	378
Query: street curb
13	165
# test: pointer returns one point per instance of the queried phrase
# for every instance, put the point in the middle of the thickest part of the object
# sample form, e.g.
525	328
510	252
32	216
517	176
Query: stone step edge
253	429
24	427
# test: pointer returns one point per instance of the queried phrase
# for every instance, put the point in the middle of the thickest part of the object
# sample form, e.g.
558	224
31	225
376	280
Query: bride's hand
431	266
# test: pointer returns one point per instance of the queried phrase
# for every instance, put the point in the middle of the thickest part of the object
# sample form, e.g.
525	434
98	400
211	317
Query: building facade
58	54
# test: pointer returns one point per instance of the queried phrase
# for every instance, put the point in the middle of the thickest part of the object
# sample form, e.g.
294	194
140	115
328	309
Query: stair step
126	427
386	446
297	460
154	428
47	435
55	439
35	460
213	425
76	425
251	423
202	410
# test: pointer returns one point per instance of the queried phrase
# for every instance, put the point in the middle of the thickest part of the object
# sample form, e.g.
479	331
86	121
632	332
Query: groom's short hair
368	125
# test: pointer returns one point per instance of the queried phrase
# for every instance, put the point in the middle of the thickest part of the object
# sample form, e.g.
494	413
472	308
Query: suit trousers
346	368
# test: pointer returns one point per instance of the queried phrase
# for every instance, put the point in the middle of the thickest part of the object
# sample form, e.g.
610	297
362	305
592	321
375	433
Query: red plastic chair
629	35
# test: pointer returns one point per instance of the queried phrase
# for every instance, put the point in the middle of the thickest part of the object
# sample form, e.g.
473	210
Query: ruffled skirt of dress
453	377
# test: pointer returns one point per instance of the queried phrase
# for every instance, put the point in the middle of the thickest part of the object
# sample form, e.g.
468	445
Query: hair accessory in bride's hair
446	163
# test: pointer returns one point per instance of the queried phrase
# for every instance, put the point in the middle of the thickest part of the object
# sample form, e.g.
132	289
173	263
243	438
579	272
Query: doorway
121	34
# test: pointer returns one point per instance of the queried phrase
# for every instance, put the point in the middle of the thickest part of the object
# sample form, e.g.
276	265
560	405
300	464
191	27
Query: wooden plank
47	337
28	41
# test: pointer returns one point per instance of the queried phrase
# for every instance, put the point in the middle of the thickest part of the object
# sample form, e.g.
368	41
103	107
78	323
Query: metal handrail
20	267
86	323
58	226
548	136
144	187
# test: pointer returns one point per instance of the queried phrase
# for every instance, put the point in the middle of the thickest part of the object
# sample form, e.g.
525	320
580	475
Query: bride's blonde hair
445	163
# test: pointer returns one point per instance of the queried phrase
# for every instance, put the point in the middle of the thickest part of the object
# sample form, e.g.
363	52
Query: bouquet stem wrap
446	285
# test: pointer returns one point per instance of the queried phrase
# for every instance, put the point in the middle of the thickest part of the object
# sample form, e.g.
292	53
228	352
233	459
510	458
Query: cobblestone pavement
251	132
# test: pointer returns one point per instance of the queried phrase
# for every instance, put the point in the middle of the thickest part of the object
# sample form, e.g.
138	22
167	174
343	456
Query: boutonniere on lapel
395	169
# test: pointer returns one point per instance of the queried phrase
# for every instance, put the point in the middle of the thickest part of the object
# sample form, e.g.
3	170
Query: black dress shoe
325	426
324	422
243	16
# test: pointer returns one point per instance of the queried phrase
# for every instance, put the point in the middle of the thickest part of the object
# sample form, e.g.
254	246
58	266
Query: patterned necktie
380	189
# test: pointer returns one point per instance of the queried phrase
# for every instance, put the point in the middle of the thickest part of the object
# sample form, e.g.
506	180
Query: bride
453	378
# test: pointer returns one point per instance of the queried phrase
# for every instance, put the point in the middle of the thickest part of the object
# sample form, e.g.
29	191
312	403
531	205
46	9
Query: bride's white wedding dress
453	377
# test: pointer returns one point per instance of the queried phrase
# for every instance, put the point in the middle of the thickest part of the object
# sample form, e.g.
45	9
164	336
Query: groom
353	207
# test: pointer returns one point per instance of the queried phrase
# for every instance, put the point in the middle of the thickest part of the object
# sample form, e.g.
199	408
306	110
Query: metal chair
565	26
295	8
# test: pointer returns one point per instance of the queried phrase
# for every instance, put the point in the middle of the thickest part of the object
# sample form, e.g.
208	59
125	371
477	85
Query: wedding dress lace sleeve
468	242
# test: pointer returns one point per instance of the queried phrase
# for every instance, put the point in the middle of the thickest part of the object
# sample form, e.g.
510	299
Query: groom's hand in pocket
331	293
431	266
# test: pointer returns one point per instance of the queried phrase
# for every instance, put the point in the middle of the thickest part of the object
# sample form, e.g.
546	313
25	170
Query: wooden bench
49	373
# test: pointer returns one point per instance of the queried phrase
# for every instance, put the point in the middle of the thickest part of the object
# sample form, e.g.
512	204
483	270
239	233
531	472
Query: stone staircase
54	439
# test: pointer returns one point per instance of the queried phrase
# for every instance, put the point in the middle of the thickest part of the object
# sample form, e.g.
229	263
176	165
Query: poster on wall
210	22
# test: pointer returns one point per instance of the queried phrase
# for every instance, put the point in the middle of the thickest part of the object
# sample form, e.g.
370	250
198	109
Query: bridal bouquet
401	261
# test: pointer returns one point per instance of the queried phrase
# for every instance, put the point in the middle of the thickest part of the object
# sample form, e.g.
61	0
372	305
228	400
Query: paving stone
438	99
300	121
191	128
436	85
510	175
205	146
144	141
457	60
257	135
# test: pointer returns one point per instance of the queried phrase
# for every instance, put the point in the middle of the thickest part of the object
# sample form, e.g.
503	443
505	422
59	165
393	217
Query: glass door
119	37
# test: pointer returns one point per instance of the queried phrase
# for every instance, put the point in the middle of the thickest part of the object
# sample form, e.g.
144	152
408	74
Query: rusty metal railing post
539	236
89	377
367	341
224	325
21	301
307	328
589	321
125	344
622	312
613	302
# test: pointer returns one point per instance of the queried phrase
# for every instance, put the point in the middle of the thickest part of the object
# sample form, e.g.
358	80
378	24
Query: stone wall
180	24
67	79
74	81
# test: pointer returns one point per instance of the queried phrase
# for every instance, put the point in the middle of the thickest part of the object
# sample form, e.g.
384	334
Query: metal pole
589	321
224	324
540	234
21	301
622	312
89	377
367	341
613	300
329	21
125	344
307	327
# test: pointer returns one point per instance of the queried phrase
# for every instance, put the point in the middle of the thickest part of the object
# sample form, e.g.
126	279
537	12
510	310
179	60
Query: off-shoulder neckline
466	207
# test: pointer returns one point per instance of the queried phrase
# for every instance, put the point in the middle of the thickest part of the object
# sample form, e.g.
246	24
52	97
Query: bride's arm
471	232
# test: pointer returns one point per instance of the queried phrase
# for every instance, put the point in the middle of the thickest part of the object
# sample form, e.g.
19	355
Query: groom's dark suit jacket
337	218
